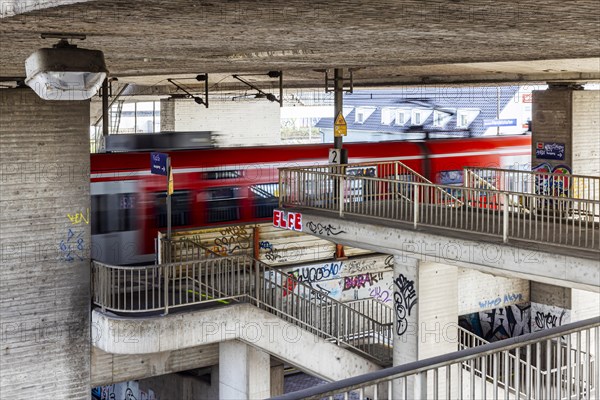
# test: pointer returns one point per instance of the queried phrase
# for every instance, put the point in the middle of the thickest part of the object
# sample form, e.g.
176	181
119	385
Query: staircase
196	276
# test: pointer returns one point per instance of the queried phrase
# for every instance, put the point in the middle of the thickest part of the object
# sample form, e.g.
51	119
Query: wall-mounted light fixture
65	72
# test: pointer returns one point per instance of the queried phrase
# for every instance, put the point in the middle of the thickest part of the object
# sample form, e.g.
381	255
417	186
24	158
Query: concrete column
244	372
44	247
277	377
406	340
570	118
426	311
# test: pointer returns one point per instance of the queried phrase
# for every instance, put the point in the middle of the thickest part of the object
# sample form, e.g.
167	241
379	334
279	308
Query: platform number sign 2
335	156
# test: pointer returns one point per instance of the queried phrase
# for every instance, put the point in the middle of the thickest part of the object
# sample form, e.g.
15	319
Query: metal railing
540	372
454	376
542	183
239	278
559	221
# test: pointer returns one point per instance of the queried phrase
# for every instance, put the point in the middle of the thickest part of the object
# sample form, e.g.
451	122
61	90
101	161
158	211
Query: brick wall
478	291
44	233
236	123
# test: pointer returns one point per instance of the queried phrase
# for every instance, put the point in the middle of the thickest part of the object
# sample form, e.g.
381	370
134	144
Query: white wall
248	123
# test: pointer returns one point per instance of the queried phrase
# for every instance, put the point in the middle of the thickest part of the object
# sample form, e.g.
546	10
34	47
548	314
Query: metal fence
561	221
541	183
556	365
186	283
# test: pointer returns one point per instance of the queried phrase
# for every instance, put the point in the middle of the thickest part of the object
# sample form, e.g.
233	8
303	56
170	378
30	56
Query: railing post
166	288
420	389
416	204
505	218
341	194
338	323
396	180
257	282
281	172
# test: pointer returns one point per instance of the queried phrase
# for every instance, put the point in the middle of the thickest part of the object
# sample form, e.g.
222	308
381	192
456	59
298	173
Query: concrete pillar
244	372
570	118
247	123
406	339
426	311
44	247
277	377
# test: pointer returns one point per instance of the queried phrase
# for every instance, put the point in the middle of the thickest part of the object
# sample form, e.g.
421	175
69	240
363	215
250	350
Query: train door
115	223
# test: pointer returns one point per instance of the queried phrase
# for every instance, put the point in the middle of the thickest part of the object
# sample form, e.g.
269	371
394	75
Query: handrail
556	220
190	282
421	368
574	186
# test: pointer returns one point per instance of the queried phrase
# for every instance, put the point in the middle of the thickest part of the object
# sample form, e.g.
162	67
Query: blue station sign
158	163
488	123
550	151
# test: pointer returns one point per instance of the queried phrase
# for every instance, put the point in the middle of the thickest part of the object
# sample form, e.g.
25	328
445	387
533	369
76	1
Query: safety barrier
560	221
563	370
221	280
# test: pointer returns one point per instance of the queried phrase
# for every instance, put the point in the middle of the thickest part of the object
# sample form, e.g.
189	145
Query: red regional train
229	186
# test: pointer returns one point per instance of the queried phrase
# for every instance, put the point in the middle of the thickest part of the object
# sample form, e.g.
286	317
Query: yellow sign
170	188
340	128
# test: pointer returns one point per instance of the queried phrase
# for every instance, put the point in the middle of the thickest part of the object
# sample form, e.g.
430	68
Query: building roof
482	101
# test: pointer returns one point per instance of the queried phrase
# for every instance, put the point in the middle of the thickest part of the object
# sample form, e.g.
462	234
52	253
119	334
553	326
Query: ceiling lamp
65	72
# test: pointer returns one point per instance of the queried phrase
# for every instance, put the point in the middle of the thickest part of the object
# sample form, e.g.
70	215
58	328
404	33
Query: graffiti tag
405	298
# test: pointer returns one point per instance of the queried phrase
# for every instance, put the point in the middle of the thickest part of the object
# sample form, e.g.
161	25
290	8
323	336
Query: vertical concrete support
277	377
438	313
44	247
570	118
406	339
244	372
426	303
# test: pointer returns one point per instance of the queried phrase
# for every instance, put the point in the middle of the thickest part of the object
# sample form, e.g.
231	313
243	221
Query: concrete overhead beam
463	249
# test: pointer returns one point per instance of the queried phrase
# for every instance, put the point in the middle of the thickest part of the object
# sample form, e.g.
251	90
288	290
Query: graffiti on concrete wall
362	280
498	323
233	239
557	186
405	298
72	247
545	317
122	391
504	300
79	217
321	229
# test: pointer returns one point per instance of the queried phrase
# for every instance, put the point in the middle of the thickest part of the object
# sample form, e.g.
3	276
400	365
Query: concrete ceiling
385	43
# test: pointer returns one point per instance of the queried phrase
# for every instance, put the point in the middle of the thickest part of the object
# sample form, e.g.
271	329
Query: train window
113	213
223	204
226	174
180	208
266	199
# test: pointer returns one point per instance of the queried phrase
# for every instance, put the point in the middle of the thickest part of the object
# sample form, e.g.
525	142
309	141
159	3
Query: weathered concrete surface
108	368
44	261
242	322
463	249
385	42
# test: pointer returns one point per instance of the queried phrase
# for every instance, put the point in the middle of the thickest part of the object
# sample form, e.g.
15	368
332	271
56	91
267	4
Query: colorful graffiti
498	323
557	186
